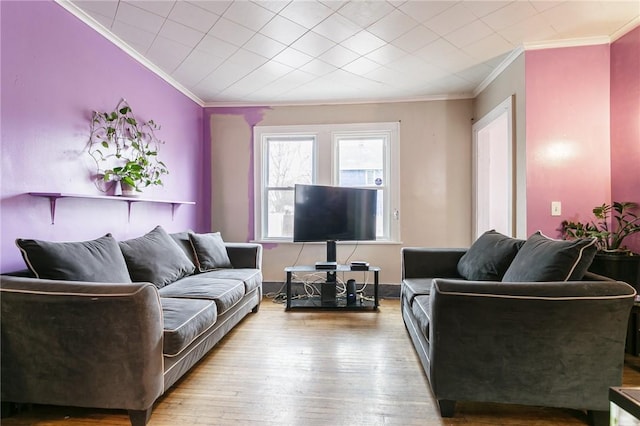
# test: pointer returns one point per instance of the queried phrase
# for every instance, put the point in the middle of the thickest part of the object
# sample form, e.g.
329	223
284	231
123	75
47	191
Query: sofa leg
140	417
256	309
447	407
598	418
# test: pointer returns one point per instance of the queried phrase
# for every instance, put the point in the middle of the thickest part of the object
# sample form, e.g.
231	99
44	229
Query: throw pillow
210	251
489	257
182	238
156	258
97	260
545	259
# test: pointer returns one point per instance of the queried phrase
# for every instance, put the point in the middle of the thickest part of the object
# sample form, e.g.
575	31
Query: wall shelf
54	196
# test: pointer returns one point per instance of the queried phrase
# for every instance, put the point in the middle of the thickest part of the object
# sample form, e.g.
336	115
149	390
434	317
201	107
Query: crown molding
498	70
627	28
569	42
97	26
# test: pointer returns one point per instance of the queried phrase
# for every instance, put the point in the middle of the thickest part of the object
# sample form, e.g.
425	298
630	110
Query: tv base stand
328	298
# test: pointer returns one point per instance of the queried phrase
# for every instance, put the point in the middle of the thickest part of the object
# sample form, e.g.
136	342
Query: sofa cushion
98	260
155	257
252	278
412	287
422	312
489	257
210	251
224	292
184	321
545	259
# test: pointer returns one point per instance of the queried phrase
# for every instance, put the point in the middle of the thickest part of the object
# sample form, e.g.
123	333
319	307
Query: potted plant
614	222
125	149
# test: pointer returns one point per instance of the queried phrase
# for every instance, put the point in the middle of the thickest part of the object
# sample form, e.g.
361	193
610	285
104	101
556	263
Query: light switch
556	208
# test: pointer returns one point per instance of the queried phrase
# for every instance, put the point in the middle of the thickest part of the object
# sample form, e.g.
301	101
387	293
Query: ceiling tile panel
160	8
318	68
365	13
484	8
249	14
196	67
534	29
307	14
363	42
193	16
106	8
283	30
167	54
470	33
489	47
313	44
143	19
338	56
181	33
415	39
293	58
393	25
450	20
264	46
386	54
274	6
361	66
423	11
511	14
215	46
231	32
216	6
336	28
135	37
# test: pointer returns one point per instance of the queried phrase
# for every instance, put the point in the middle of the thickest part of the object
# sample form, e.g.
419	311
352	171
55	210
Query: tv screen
333	213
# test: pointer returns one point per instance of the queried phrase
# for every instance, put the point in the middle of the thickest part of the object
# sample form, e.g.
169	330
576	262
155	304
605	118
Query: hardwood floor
312	368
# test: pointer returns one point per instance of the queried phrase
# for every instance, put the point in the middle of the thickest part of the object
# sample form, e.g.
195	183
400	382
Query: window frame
326	168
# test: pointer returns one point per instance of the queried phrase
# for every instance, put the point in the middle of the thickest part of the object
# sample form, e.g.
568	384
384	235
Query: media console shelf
339	303
54	196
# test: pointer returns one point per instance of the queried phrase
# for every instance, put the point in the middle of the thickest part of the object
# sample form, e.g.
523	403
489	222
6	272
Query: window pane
361	162
380	214
280	213
290	161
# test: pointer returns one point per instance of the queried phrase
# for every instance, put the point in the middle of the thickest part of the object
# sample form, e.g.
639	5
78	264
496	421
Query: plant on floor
126	147
614	222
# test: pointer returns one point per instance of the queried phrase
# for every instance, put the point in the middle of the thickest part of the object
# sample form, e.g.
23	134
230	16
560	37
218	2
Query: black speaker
351	292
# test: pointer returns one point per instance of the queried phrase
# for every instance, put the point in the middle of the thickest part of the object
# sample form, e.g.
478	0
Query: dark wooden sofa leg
598	418
447	407
140	417
256	309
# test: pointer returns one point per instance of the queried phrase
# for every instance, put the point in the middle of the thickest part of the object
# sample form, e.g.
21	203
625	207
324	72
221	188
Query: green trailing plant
613	223
125	149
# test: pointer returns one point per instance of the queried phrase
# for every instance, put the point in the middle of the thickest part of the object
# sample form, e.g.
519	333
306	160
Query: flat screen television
334	213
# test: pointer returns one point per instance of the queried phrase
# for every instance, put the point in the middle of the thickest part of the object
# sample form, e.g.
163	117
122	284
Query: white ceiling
287	52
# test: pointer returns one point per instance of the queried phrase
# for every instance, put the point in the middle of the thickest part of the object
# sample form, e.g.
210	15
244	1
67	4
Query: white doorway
493	171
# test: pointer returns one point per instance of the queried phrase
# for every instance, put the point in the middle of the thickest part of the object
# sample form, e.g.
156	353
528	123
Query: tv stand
328	299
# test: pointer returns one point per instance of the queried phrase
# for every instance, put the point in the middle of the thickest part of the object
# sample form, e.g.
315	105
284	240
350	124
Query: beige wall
511	82
435	178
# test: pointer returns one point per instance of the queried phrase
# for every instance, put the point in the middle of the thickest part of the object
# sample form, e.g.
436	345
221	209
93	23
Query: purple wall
55	71
567	131
625	122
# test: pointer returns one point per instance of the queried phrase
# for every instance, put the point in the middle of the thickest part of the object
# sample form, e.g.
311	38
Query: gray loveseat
104	341
513	338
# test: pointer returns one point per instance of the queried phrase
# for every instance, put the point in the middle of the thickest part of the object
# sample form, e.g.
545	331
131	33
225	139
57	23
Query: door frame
505	106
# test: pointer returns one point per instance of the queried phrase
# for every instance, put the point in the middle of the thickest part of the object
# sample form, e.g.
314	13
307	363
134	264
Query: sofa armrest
424	262
245	255
81	344
514	342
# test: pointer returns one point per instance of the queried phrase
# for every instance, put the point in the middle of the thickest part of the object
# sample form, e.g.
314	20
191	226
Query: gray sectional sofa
79	330
520	322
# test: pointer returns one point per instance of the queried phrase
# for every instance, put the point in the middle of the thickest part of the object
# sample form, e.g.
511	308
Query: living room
56	70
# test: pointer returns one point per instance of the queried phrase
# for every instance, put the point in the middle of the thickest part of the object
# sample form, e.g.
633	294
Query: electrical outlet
556	208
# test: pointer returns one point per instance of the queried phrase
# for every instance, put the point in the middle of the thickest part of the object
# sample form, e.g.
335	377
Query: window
354	155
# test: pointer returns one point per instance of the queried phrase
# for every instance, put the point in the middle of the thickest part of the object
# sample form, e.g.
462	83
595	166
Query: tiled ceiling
287	52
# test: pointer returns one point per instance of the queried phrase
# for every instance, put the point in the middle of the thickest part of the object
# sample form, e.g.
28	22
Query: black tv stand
328	300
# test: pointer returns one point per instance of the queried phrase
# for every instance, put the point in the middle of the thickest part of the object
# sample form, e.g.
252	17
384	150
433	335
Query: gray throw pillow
210	251
544	259
98	260
489	257
156	258
182	238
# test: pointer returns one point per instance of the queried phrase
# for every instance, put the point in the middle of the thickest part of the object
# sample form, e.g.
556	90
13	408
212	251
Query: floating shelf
54	196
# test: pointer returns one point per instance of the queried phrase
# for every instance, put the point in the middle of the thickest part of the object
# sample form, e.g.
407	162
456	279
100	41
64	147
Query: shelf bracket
52	208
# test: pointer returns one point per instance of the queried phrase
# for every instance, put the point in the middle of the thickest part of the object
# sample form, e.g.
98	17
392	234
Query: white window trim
326	133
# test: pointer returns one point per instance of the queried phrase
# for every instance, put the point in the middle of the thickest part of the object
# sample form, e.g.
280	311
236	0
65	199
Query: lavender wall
567	131
55	71
625	122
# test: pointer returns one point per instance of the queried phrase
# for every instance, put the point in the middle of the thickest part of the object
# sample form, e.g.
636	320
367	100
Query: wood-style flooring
313	368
